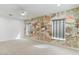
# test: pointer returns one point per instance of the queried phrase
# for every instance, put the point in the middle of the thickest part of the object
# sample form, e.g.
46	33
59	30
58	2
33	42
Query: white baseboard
58	38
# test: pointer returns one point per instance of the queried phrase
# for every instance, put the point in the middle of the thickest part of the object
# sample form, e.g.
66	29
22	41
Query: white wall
10	28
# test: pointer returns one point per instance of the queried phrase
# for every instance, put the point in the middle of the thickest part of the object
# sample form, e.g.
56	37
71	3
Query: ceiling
33	10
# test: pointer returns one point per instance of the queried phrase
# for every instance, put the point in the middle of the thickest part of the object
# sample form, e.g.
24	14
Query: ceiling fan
19	11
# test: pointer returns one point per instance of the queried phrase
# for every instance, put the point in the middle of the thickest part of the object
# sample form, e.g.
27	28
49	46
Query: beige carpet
30	47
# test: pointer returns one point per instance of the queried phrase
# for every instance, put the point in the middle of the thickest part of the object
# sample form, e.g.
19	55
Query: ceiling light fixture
10	14
23	13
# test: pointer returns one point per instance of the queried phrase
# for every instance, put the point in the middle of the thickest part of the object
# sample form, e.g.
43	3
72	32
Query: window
58	28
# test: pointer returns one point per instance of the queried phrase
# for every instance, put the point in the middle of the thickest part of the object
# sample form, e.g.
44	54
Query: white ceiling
33	10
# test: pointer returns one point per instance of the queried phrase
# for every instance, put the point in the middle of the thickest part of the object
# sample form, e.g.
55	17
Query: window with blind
58	28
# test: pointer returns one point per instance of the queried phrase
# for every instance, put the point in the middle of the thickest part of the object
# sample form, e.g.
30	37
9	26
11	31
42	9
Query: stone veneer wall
42	27
72	26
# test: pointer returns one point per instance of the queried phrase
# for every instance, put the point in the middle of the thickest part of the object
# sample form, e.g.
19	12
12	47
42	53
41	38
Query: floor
30	47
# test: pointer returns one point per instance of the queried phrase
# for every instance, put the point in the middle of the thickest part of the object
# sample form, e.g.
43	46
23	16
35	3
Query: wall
40	30
10	28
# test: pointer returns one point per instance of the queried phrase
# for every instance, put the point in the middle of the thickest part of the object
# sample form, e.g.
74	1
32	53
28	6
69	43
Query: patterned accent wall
72	38
42	27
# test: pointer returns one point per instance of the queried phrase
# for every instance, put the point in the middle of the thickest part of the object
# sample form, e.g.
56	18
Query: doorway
28	29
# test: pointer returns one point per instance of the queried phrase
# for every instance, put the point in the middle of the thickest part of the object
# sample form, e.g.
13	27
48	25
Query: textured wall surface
42	27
